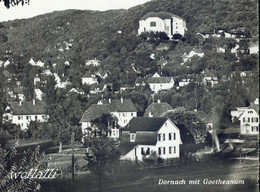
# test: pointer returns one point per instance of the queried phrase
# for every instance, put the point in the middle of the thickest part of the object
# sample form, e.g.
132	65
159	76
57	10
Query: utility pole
213	130
72	160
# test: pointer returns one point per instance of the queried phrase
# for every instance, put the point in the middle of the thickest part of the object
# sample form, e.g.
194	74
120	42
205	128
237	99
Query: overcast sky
38	7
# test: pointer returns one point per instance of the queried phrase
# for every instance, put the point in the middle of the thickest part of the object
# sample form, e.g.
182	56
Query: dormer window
152	24
132	137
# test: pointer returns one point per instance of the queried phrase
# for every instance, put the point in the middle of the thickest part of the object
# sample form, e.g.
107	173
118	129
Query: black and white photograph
129	95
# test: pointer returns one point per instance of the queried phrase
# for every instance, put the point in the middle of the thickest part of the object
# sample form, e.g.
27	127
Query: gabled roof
162	15
149	124
118	105
158	109
95	111
159	80
27	108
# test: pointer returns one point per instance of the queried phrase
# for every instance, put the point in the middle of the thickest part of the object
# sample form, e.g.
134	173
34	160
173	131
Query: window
123	114
27	117
132	114
176	27
248	119
170	136
170	150
142	151
148	151
35	117
244	119
159	137
252	119
256	120
152	24
174	149
165	124
256	128
174	136
163	137
159	151
252	129
164	150
132	137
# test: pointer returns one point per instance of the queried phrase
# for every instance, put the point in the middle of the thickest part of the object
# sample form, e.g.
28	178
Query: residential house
22	113
89	79
184	82
187	56
158	83
210	81
162	22
150	138
254	48
157	109
78	91
122	109
93	62
249	122
97	88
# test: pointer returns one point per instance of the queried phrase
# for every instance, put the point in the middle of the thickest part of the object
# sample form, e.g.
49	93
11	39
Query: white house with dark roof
123	109
162	22
22	113
150	138
157	109
249	122
158	83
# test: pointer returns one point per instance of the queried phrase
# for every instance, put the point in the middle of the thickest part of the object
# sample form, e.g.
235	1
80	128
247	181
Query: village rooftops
145	124
28	108
161	15
157	109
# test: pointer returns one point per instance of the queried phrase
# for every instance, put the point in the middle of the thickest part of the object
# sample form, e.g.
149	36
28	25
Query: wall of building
24	120
249	122
156	87
167	142
124	117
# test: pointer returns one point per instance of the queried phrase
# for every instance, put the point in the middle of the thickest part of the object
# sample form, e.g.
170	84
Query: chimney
122	100
109	100
158	101
33	101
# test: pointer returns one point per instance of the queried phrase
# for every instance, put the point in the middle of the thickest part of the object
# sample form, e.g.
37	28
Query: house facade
158	83
162	22
249	122
122	109
146	137
22	113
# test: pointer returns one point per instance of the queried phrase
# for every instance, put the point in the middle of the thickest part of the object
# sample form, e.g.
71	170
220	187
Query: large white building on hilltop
162	22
